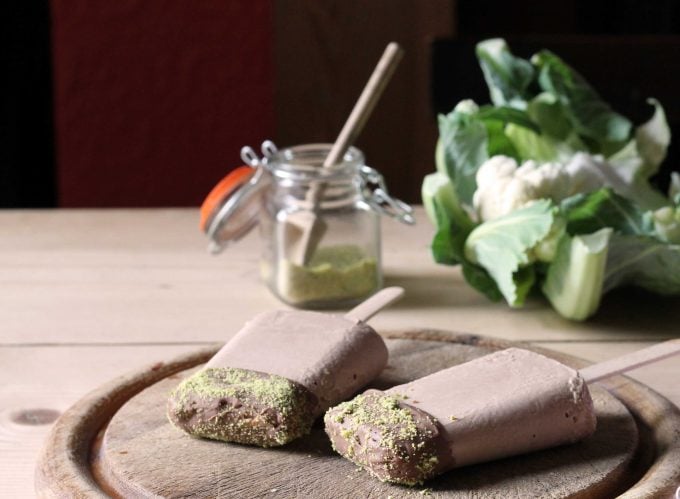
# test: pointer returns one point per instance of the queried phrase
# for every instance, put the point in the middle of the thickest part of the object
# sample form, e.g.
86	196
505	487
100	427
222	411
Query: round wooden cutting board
117	441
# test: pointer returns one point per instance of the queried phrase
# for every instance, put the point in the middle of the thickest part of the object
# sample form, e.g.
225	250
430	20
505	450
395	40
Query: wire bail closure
239	213
374	192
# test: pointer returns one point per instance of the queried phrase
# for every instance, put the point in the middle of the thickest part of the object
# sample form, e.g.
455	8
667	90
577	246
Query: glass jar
340	206
292	196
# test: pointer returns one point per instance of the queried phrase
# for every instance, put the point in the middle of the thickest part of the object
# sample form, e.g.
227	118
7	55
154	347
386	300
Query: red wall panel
154	98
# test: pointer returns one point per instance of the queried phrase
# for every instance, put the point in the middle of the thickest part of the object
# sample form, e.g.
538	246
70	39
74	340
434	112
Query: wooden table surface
87	295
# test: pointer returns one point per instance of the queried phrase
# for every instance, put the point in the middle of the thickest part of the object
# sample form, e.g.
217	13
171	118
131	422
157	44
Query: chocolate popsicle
281	371
506	403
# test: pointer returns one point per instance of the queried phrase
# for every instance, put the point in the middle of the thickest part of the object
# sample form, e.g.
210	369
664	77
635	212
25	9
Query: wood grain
53	378
145	275
75	370
67	447
412	361
89	294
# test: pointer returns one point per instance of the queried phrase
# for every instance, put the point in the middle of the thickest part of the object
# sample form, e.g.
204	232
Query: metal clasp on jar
374	192
239	211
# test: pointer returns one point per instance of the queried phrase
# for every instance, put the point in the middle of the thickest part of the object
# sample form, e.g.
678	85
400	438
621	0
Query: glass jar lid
232	208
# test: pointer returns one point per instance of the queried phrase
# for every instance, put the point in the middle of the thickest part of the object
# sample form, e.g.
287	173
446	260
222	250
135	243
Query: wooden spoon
305	229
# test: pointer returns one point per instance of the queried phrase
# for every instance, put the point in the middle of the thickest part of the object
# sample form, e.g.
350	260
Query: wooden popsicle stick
630	361
371	306
311	228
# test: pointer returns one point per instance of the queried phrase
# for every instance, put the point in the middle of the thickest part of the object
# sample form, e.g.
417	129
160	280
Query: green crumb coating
243	406
392	440
341	272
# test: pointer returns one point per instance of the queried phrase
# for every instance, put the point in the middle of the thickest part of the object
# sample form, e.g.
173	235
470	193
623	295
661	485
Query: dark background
27	166
147	103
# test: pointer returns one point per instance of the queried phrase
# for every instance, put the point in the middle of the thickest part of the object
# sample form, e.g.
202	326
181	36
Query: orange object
224	188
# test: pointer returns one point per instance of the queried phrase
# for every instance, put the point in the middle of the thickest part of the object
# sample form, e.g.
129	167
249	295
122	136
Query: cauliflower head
503	185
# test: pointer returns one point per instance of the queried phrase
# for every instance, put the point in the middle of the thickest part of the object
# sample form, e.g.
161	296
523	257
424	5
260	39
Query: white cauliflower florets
667	223
503	185
466	106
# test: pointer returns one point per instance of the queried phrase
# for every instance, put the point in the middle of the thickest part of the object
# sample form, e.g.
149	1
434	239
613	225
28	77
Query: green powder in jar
341	272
